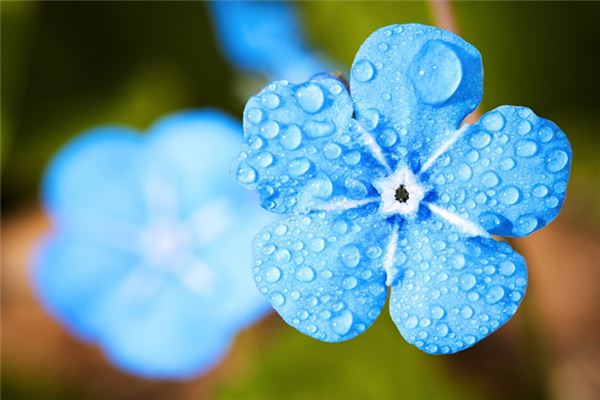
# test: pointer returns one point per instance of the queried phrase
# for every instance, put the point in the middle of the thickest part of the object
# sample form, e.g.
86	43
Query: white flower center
401	193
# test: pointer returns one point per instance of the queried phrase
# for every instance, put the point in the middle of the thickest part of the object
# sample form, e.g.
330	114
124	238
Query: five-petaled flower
387	188
141	260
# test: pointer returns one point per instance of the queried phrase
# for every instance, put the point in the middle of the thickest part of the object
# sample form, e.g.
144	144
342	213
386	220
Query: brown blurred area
559	315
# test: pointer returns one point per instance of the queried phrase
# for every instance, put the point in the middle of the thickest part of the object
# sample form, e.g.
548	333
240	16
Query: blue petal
302	149
412	86
508	172
71	276
265	37
94	182
323	272
452	291
170	334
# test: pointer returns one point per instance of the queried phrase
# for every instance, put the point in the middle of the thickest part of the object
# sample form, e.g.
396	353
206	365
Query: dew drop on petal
526	148
350	256
305	274
310	97
510	195
245	173
556	160
494	294
291	137
363	71
273	274
299	166
341	324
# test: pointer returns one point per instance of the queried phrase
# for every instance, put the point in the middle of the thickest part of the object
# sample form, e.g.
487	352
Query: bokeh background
66	67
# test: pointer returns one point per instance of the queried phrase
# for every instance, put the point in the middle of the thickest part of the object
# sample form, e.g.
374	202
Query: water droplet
438	312
310	97
264	159
551	201
291	137
436	72
305	274
412	322
245	173
349	282
545	134
526	148
352	157
524	128
510	195
273	274
490	179
467	281
270	100
464	172
317	129
298	166
363	71
466	312
480	139
321	187
526	224
383	46
255	142
458	261
331	151
282	256
442	330
254	115
539	190
317	244
370	119
388	138
493	121
506	164
494	294
269	129
280	230
341	324
556	160
276	299
350	256
507	268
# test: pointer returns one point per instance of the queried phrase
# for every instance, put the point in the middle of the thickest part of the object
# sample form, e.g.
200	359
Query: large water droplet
370	119
273	274
264	159
305	274
298	166
282	256
277	299
350	256
317	244
507	268
269	129
556	160
317	129
467	281
526	148
510	195
436	72
438	312
493	121
270	100
254	115
349	282
331	151
480	139
363	71
494	294
490	179
466	312
539	190
412	322
291	137
464	172
245	173
342	323
310	97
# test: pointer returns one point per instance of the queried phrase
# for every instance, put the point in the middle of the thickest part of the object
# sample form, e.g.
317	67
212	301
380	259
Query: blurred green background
66	67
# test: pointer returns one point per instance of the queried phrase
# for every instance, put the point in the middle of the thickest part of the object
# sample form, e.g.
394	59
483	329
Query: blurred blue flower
386	188
150	238
264	37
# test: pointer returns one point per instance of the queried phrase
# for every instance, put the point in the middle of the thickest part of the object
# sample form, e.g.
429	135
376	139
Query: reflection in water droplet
291	137
526	148
245	173
556	160
363	71
341	325
310	97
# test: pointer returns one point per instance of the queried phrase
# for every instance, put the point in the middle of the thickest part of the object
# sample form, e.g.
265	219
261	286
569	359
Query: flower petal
452	290
71	275
323	272
508	172
94	182
412	86
302	149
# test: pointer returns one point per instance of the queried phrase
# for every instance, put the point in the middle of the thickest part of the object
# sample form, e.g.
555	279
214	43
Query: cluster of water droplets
509	172
454	291
301	146
322	271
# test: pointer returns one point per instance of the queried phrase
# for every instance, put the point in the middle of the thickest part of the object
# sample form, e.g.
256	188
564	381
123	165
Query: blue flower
264	37
386	188
150	238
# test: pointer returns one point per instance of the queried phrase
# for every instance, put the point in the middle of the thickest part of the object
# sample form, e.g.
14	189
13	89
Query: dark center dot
402	194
